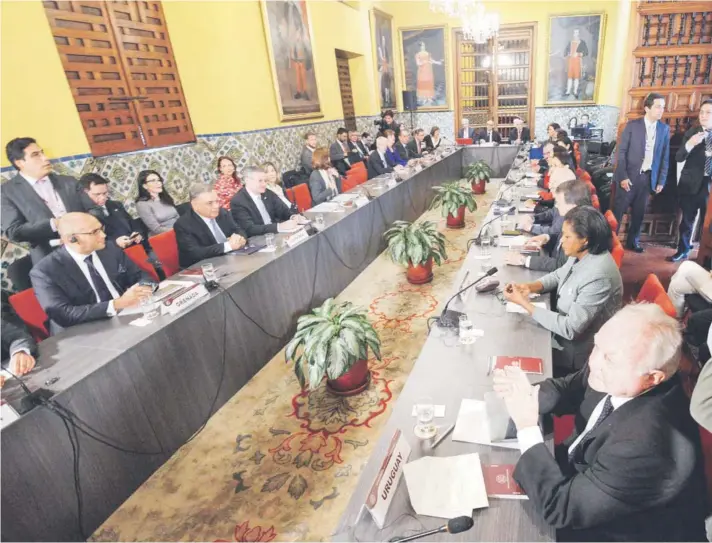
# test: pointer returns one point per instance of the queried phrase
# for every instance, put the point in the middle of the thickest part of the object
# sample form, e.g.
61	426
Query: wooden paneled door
347	99
119	64
495	80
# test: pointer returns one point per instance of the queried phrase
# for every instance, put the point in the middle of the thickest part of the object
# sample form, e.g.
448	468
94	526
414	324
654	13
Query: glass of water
319	222
485	246
269	240
149	307
425	411
467	330
209	272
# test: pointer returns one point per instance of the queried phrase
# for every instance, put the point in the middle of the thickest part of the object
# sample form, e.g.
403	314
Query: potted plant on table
478	174
416	246
454	198
333	341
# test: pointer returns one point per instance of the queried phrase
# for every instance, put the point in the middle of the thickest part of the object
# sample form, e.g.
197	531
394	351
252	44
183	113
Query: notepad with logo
500	483
528	364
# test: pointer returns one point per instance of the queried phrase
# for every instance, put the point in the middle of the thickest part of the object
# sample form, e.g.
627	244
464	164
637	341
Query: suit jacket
402	152
317	187
468	133
358	146
375	165
25	216
412	148
429	145
306	159
701	401
14	333
496	137
118	222
525	137
196	241
693	172
553	260
338	158
636	477
64	292
631	153
247	216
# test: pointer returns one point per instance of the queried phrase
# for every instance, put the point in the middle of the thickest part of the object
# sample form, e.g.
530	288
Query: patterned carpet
279	464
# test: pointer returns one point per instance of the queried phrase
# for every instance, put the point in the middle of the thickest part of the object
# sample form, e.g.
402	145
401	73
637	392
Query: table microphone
453	526
449	318
478	239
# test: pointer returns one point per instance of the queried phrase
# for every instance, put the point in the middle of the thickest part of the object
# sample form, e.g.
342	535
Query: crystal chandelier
477	25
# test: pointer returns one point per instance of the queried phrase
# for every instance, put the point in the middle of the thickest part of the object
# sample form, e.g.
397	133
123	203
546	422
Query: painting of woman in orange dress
425	89
424	51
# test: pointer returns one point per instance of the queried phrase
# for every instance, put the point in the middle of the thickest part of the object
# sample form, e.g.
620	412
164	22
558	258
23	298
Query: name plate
297	237
384	487
175	304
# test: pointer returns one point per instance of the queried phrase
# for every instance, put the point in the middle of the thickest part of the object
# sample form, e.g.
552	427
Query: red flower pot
457	221
420	274
479	186
352	382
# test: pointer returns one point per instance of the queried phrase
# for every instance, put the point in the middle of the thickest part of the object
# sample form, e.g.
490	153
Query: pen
443	436
467	274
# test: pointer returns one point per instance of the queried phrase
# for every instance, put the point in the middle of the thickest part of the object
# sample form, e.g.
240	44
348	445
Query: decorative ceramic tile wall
445	120
605	117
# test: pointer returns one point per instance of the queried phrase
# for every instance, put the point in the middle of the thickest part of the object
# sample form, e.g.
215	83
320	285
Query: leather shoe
637	248
678	256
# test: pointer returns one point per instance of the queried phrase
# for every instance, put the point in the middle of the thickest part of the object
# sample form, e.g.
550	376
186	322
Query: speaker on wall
409	103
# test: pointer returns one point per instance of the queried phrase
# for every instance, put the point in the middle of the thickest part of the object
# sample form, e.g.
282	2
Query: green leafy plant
451	196
415	243
478	170
329	340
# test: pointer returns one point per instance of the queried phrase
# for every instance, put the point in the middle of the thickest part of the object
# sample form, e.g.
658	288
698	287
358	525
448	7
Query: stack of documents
327	207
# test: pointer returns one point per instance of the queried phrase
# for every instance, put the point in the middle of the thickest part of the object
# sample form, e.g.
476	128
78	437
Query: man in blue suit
466	132
642	166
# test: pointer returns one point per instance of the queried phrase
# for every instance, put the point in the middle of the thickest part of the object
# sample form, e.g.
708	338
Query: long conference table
148	389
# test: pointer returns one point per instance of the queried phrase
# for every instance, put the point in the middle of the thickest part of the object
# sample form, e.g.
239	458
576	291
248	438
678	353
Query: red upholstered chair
28	308
591	188
348	182
612	221
546	195
138	256
354	177
166	249
595	202
463	141
583	175
653	291
563	428
289	193
302	197
618	251
546	180
358	166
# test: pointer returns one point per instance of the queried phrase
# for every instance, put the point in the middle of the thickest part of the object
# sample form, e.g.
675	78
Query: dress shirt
345	150
489	136
44	189
257	199
79	259
650	129
383	159
104	210
528	437
209	223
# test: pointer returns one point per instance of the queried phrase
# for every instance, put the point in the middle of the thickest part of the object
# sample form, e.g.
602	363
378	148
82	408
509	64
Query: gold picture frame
386	99
584	90
410	37
292	58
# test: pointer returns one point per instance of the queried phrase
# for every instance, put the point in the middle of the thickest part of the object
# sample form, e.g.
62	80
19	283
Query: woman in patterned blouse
228	183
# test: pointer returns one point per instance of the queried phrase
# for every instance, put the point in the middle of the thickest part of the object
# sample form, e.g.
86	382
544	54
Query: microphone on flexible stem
453	526
449	318
478	239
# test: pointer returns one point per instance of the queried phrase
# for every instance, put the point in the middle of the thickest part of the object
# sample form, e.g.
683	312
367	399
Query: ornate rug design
277	463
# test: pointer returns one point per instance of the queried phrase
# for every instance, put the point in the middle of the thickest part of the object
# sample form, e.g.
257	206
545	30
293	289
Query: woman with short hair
324	181
433	140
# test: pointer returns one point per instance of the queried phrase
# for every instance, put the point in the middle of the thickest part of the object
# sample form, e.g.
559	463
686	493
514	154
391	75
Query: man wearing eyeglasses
86	279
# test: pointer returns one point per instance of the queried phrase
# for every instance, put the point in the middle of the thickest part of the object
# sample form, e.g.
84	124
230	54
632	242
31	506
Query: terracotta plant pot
479	186
457	221
420	274
352	382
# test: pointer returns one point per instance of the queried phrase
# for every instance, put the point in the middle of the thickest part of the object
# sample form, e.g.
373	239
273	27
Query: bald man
86	279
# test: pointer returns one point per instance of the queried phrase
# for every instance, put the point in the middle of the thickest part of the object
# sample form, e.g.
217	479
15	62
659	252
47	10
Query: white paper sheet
472	425
509	241
327	207
516	308
446	487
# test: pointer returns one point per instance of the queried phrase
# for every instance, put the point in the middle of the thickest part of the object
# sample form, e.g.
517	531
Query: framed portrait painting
384	59
291	54
425	66
575	50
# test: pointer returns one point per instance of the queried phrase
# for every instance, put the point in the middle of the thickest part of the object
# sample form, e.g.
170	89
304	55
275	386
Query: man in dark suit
339	152
633	469
259	211
642	166
305	159
86	279
694	182
466	132
378	161
401	146
416	147
489	134
357	150
35	198
18	347
206	230
519	134
119	226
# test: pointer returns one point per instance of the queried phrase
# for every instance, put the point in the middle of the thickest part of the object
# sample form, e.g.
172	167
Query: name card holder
297	238
175	304
384	487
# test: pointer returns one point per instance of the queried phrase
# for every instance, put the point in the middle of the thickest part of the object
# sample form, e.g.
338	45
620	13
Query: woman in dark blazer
433	140
324	181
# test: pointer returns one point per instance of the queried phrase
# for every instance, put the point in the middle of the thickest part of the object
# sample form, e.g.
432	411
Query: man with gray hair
378	161
206	230
466	132
632	470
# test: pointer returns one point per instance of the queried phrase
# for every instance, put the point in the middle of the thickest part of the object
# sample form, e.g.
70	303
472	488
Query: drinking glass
319	222
425	411
467	330
149	307
485	246
269	240
209	272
